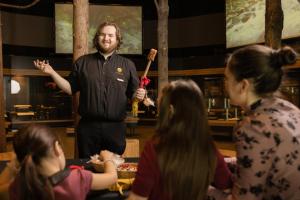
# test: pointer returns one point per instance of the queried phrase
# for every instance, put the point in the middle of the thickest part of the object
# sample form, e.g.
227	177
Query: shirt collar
106	56
256	104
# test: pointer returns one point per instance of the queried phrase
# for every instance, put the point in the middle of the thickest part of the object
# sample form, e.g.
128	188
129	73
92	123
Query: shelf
191	72
10	135
30	72
57	121
187	72
228	153
219	122
7	155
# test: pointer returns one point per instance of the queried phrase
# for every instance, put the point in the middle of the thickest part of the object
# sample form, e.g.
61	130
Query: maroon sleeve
223	176
86	178
76	186
147	172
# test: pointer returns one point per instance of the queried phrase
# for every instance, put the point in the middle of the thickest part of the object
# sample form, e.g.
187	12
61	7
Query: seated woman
42	174
181	160
268	137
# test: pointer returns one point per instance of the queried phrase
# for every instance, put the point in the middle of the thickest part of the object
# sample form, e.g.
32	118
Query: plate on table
127	170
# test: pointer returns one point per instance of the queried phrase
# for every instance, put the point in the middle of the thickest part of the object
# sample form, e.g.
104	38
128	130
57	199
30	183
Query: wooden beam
162	8
273	23
30	72
187	72
2	110
80	47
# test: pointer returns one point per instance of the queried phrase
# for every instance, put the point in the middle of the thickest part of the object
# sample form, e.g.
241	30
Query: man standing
105	81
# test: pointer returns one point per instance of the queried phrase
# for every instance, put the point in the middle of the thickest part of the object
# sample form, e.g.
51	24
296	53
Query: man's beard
109	49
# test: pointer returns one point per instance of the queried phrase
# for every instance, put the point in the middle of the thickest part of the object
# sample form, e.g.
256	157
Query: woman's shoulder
80	172
150	144
277	105
271	108
287	105
277	109
275	115
79	176
149	151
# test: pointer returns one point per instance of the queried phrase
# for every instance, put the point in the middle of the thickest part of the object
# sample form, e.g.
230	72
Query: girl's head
182	106
185	150
35	142
256	69
33	146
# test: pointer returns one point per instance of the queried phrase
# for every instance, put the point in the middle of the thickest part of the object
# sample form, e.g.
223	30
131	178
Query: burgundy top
76	186
148	181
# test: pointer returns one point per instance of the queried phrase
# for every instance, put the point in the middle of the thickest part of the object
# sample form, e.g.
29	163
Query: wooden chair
132	148
6	155
228	153
3	178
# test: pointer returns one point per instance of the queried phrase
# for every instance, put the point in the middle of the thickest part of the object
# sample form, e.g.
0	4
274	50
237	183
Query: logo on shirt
120	70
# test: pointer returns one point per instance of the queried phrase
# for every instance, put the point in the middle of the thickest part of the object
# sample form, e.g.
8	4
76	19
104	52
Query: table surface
94	195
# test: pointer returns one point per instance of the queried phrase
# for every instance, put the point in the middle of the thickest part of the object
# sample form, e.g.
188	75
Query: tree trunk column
2	120
80	28
162	31
273	23
80	47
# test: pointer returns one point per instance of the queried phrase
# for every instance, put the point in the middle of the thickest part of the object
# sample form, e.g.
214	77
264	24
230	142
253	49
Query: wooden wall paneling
2	122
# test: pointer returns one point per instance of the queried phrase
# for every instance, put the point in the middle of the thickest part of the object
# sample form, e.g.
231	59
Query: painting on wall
245	21
128	18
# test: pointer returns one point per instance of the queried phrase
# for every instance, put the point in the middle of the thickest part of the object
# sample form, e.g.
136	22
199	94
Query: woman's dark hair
261	64
186	152
97	34
31	145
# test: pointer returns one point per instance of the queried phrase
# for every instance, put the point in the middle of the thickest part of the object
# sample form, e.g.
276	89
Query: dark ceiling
178	8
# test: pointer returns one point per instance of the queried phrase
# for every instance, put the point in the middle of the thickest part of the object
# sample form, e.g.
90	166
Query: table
94	195
131	124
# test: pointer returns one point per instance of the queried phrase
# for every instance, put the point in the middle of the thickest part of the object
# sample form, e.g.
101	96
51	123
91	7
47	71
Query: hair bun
286	55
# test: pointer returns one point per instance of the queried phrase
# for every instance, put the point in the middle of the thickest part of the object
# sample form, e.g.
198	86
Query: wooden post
162	31
2	120
2	110
80	28
80	46
273	23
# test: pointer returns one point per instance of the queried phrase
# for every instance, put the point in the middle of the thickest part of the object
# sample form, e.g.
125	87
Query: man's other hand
140	94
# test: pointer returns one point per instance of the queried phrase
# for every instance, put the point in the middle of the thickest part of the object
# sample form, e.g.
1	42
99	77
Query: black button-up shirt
104	85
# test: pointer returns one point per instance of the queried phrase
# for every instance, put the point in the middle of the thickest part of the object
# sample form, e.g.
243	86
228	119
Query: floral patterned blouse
268	152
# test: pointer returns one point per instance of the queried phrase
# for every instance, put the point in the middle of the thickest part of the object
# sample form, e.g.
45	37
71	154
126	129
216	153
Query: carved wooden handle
151	57
152	54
